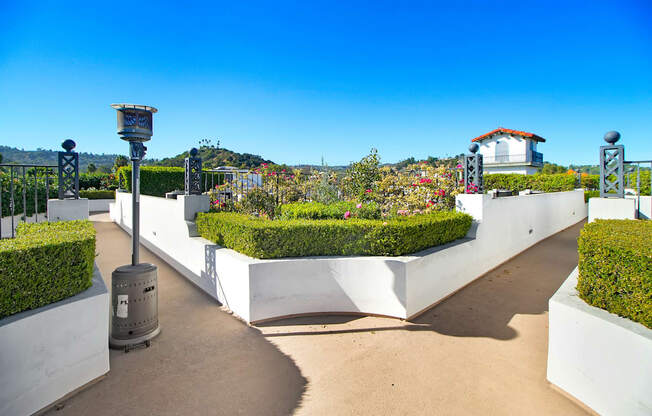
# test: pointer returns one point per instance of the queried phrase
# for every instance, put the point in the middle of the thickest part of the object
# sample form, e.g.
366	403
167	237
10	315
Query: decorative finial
612	137
473	148
68	145
193	152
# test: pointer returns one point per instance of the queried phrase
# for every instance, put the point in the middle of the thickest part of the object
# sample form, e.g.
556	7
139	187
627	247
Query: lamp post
134	320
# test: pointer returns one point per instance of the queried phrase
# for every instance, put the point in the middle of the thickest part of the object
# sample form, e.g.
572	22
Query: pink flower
347	214
358	206
368	191
384	222
459	166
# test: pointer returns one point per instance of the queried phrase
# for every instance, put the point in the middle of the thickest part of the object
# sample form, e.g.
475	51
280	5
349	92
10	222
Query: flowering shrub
421	188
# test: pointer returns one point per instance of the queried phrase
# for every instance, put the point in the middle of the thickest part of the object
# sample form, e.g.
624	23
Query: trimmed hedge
590	182
538	182
45	263
645	181
266	239
336	210
615	267
97	194
590	194
154	180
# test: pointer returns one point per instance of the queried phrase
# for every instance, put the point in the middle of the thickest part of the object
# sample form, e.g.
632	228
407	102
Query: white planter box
48	352
401	287
99	205
68	209
599	358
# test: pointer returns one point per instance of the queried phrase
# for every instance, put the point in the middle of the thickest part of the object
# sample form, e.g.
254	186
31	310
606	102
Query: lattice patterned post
68	162
473	171
612	158
193	173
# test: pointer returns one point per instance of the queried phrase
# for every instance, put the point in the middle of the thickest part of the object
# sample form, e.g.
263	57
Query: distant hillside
49	157
213	157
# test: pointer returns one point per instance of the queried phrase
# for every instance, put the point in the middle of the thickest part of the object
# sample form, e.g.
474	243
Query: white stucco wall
516	145
601	359
520	169
68	209
393	286
99	205
612	209
51	351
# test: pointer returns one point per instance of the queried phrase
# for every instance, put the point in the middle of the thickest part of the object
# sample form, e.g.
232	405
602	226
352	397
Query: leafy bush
615	267
5	189
590	182
154	180
336	210
645	181
538	182
591	194
96	194
97	181
258	201
267	239
45	263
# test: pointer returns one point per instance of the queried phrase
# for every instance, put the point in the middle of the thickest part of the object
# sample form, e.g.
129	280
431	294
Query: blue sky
295	81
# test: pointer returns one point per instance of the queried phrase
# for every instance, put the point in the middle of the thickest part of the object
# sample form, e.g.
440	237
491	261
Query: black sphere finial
612	137
473	148
68	145
193	152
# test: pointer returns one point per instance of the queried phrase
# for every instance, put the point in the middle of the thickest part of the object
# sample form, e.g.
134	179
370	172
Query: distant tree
553	168
91	168
0	157
120	161
104	169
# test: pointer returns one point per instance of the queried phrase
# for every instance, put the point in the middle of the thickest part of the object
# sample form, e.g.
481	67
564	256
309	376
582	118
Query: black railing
20	187
537	157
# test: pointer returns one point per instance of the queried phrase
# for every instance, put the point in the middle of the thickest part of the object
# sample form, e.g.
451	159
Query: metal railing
20	187
534	158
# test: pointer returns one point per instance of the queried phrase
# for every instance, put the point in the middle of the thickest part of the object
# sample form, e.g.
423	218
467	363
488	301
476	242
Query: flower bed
45	263
265	239
615	266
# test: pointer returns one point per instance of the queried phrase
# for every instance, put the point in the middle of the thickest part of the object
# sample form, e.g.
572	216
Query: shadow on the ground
485	308
204	362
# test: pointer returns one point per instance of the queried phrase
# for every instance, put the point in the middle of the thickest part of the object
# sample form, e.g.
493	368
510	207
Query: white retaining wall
48	352
99	205
599	358
394	286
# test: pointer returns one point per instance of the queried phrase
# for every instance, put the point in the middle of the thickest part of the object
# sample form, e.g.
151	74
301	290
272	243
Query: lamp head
135	122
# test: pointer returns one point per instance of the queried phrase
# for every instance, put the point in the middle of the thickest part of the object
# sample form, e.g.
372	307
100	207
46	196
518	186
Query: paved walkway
481	352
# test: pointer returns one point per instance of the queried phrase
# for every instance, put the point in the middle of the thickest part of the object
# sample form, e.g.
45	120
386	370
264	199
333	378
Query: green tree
553	168
120	161
91	168
361	177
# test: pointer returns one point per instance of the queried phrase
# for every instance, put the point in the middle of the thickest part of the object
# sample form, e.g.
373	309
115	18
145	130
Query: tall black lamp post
134	320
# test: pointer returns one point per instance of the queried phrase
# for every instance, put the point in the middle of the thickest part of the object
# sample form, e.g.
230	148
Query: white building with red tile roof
510	151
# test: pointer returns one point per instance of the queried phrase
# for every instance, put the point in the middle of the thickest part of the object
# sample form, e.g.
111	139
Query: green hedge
591	194
336	210
45	263
538	182
267	239
97	181
97	194
645	181
154	180
615	267
590	182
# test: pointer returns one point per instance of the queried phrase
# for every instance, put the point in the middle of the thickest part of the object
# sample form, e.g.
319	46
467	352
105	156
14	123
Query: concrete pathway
481	352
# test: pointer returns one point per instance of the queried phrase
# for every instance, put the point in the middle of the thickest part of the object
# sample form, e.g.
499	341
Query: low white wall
68	209
601	359
394	286
612	209
99	205
48	352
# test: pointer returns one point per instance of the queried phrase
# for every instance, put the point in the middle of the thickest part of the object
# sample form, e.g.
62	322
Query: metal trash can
134	303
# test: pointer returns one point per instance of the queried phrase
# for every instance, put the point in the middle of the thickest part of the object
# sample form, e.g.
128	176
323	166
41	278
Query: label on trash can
123	306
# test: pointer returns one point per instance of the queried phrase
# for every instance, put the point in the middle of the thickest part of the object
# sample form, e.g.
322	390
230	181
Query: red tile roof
501	130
